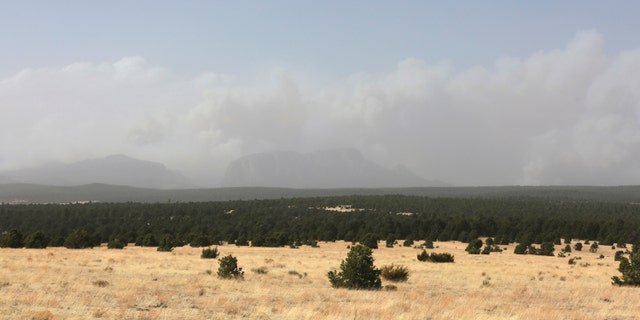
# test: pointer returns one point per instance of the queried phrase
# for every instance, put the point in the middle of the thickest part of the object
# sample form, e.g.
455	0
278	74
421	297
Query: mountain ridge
115	169
332	168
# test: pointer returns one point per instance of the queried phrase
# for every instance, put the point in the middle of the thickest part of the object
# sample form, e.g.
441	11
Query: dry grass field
141	283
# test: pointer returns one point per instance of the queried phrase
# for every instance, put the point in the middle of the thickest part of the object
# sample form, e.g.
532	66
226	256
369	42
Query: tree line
280	222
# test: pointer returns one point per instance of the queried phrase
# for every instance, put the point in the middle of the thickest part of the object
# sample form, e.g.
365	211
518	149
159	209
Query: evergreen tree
79	239
36	240
630	269
357	271
228	268
474	246
12	239
370	240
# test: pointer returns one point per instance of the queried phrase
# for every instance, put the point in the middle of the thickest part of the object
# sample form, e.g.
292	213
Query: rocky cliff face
339	168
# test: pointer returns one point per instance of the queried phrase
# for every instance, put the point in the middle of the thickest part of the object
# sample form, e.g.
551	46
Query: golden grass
141	283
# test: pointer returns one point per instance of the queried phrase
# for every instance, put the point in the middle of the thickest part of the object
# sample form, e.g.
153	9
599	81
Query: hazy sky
469	92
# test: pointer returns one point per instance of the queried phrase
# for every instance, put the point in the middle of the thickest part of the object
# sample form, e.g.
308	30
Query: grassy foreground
141	283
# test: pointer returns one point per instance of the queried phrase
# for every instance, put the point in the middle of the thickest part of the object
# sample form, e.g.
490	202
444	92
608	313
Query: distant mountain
114	170
336	168
5	179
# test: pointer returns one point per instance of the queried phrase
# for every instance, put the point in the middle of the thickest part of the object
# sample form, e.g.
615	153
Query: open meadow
141	283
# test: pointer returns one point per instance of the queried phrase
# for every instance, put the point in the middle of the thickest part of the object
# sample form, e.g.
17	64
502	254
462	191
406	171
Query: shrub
228	268
423	256
391	240
209	253
521	248
370	240
357	271
428	244
148	240
311	243
261	270
296	273
593	247
567	248
441	257
578	246
408	243
474	246
395	273
619	255
546	249
116	243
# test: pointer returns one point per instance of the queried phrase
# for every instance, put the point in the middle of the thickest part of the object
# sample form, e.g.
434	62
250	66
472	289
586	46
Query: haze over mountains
115	170
336	168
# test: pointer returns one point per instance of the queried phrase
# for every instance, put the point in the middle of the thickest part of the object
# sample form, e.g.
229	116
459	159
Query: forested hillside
280	222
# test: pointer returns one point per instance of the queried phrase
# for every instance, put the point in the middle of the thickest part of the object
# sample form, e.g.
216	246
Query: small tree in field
209	253
474	246
370	240
357	271
12	239
36	240
630	269
423	256
228	268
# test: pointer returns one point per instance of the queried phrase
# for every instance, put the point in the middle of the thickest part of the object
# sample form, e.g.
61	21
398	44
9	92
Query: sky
467	92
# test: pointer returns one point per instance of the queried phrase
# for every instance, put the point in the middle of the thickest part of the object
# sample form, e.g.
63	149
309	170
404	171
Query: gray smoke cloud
565	116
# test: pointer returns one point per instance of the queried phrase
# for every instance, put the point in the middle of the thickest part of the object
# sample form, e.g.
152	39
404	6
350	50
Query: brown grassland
141	283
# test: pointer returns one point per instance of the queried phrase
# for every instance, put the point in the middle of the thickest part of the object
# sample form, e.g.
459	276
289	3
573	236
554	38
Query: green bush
441	257
395	273
370	240
116	243
407	243
209	253
521	248
578	246
228	268
391	240
423	256
148	240
311	243
428	244
546	249
474	246
357	271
